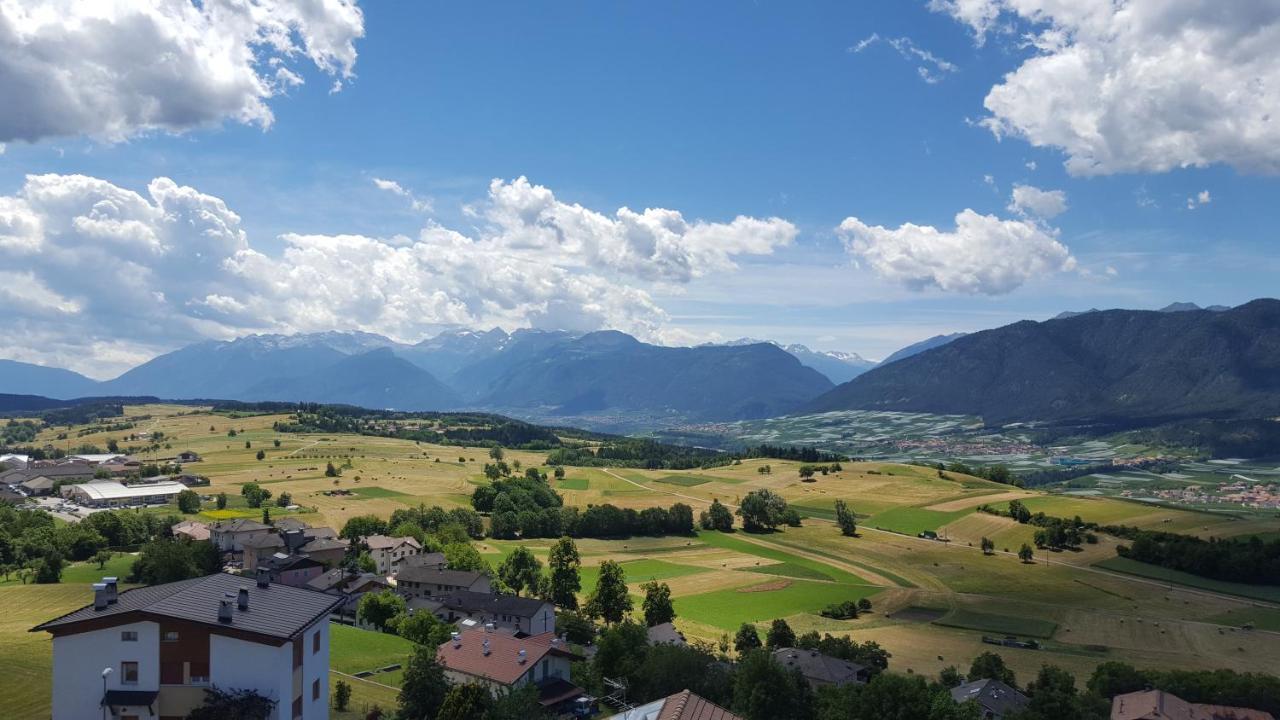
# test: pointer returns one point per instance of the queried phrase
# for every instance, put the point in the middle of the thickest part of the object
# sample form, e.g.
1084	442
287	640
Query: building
683	705
428	582
14	461
503	662
191	529
95	458
821	669
329	551
994	698
519	615
350	587
38	486
187	456
155	649
292	570
109	493
388	553
258	547
229	535
1160	705
666	634
69	472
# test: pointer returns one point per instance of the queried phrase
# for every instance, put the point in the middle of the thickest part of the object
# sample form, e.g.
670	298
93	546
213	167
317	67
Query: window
128	673
315	689
315	643
170	636
128	636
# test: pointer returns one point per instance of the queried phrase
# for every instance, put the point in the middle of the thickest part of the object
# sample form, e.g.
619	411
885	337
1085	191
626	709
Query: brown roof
1160	705
685	705
263	540
192	529
502	663
382	542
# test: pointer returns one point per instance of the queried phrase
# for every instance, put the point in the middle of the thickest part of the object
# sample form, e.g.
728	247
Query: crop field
1133	567
1091	614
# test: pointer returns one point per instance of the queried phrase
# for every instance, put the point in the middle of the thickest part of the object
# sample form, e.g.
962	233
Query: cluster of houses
94	481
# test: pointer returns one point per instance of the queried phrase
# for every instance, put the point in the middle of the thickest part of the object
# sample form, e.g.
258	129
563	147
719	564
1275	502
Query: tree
1053	696
266	516
171	559
102	557
285	500
380	608
221	501
1019	512
423	628
991	666
248	445
559	472
423	688
188	502
762	510
657	603
610	601
468	701
780	635
747	638
464	556
341	693
764	690
988	546
496	452
845	519
717	517
1025	553
233	705
1113	678
262	454
362	526
806	472
950	677
520	570
49	569
565	581
331	471
254	494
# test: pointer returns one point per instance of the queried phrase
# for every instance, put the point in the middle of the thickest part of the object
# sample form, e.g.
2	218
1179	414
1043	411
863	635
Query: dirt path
312	444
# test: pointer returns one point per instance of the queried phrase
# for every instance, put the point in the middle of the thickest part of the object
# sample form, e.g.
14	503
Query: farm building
109	493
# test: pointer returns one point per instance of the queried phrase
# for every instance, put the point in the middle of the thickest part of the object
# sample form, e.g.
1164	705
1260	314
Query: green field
777	554
728	609
639	571
1000	624
683	480
791	570
366	493
579	483
1270	593
352	650
914	520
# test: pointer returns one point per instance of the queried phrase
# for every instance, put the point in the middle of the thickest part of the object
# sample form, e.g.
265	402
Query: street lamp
105	672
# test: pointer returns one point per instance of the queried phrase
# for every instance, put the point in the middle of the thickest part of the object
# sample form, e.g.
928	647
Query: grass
914	520
1000	624
728	609
1260	618
26	662
87	572
1155	572
683	480
579	483
638	571
352	650
732	542
788	569
378	492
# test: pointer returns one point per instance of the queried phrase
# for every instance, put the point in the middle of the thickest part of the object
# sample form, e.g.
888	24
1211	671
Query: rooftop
1160	705
500	659
440	576
238	525
467	601
278	611
990	694
382	542
112	490
818	667
684	705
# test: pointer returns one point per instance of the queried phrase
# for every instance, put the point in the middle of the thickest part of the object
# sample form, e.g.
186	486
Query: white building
149	653
389	552
109	493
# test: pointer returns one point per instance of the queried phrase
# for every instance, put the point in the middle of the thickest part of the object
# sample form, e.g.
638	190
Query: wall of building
78	661
265	668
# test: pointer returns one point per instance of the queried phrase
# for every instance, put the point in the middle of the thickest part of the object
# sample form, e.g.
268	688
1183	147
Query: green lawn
730	541
914	520
87	572
368	493
637	571
1155	572
578	483
788	569
728	609
999	624
683	480
26	658
352	650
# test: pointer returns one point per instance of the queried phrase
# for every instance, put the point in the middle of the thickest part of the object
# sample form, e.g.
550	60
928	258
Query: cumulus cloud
983	255
111	70
1137	86
1031	201
99	275
931	68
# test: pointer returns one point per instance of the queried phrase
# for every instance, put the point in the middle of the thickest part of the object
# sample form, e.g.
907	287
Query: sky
850	176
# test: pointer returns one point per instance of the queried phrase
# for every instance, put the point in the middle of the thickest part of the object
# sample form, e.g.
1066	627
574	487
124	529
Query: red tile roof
502	663
685	705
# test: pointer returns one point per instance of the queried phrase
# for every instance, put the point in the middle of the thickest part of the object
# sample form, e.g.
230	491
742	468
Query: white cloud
128	274
982	255
931	68
111	70
1201	198
1028	200
395	188
1138	86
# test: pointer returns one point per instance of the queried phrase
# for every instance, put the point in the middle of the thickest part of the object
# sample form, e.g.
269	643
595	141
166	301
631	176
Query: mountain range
1127	367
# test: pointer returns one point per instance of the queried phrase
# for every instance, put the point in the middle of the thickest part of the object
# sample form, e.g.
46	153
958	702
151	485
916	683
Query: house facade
389	553
229	535
429	582
154	650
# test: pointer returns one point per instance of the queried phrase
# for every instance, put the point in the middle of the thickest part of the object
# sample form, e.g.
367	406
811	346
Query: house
432	560
1160	705
155	649
190	529
821	669
503	662
349	587
38	485
258	547
329	551
519	615
994	698
683	705
109	493
292	570
14	461
229	535
9	495
187	456
666	634
191	480
389	552
428	582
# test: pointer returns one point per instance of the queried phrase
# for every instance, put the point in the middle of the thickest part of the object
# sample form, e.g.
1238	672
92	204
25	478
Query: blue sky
711	109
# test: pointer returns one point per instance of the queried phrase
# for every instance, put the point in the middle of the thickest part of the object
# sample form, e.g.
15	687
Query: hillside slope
21	378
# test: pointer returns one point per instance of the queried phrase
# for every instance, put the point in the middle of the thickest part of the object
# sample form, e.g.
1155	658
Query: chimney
264	577
522	657
294	539
113	589
100	601
457	639
243	600
485	647
490	627
224	608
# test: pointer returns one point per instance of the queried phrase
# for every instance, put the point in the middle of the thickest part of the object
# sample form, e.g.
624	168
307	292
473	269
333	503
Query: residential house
260	546
292	570
1160	705
109	493
349	587
389	552
684	705
821	669
191	529
995	699
329	551
428	582
666	634
519	615
154	650
187	456
229	535
432	560
503	662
